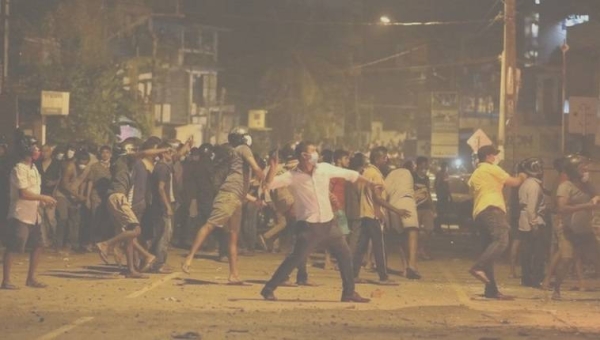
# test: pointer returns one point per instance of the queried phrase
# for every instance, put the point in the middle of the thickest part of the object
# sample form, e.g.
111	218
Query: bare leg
579	271
6	266
403	263
514	257
551	270
234	275
413	245
149	259
34	260
201	236
105	247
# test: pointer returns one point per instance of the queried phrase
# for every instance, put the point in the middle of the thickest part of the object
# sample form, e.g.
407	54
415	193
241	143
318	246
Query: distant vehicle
460	209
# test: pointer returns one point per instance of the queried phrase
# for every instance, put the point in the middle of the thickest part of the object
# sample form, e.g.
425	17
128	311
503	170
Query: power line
420	67
354	23
390	57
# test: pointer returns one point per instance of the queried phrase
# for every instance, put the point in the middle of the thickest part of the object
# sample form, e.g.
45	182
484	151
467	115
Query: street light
385	20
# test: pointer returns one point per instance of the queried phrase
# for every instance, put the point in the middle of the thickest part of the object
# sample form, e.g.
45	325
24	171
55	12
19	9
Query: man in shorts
24	226
120	196
227	206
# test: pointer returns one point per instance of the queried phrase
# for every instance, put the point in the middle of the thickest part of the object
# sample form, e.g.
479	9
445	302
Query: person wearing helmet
227	206
533	224
576	199
489	213
24	219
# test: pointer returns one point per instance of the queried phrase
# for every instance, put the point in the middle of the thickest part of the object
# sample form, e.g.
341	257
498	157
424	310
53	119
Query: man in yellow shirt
489	213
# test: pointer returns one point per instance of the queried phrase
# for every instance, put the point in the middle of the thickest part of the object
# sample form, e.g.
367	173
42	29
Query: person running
227	206
489	213
309	184
24	219
120	193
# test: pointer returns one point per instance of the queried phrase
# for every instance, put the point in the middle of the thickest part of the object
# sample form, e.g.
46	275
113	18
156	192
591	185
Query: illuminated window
537	2
535	30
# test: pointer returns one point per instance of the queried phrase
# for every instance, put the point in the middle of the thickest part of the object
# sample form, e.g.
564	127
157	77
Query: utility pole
508	87
5	16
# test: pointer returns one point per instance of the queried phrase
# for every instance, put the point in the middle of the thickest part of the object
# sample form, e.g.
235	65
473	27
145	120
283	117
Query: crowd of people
139	198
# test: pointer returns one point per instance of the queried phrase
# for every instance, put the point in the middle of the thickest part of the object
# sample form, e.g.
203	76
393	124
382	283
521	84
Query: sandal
36	284
8	286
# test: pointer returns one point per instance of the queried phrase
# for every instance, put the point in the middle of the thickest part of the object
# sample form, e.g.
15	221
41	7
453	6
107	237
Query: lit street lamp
385	20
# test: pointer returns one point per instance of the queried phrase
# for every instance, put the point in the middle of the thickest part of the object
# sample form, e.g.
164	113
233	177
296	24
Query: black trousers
310	236
371	230
534	249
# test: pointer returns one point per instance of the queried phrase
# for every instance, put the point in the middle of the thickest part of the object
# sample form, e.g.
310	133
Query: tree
83	64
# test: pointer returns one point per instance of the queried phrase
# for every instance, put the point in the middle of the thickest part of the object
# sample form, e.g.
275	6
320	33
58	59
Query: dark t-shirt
121	179
422	185
140	178
52	173
204	188
238	177
163	172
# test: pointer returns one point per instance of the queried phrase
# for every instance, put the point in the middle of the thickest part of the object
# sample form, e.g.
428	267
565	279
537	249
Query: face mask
60	156
585	177
248	140
82	166
314	158
70	154
35	155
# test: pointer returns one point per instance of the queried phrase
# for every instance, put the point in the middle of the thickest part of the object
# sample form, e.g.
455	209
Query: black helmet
238	136
533	167
287	153
571	165
25	144
129	146
206	149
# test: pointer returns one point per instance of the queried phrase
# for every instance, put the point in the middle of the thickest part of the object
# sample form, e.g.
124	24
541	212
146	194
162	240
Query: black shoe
267	294
499	296
355	298
412	274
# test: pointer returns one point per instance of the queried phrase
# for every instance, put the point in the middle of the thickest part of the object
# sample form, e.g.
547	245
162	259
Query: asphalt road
87	300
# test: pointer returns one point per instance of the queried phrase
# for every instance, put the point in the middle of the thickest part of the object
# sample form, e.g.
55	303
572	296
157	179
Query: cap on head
485	151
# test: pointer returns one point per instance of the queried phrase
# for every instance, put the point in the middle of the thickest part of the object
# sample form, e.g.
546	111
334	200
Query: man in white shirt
24	226
309	185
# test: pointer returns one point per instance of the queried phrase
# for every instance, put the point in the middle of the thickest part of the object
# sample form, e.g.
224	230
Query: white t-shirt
22	177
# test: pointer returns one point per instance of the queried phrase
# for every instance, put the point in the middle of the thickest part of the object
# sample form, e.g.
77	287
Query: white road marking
62	330
153	285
